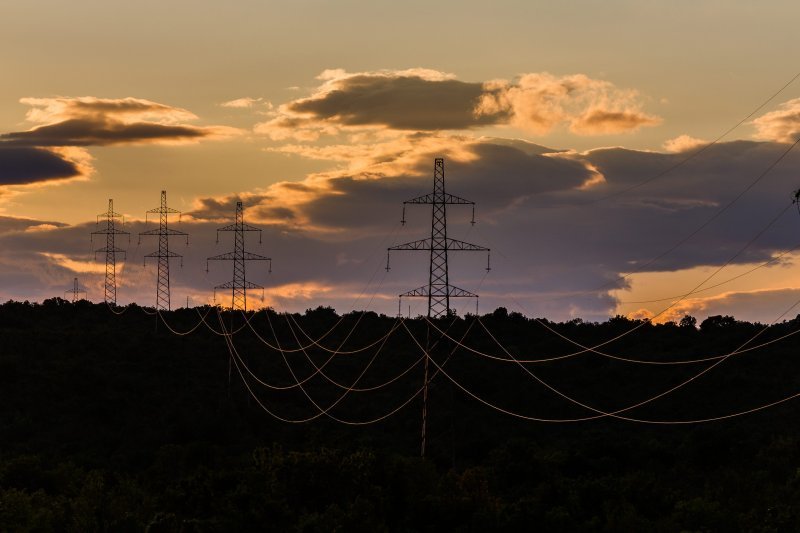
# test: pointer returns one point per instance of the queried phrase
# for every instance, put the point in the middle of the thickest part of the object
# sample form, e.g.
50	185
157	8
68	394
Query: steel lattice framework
239	256
110	231
163	254
439	290
75	291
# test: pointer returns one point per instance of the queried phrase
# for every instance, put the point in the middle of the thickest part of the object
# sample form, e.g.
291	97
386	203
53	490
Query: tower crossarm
232	285
455	244
452	292
447	198
108	214
242	256
438	199
164	231
109	231
450	244
240	227
162	254
247	256
162	209
112	250
421	244
455	292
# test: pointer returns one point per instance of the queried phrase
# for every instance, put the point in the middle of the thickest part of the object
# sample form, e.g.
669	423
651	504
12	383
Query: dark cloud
90	121
99	131
352	203
24	165
426	100
401	102
9	224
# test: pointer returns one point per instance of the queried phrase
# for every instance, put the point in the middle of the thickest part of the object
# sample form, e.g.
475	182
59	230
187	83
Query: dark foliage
112	423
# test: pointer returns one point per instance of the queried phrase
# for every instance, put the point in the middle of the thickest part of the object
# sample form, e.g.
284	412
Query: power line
615	413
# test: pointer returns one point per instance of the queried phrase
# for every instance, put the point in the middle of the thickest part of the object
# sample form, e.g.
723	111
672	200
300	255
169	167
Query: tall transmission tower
239	256
438	291
110	231
163	254
75	291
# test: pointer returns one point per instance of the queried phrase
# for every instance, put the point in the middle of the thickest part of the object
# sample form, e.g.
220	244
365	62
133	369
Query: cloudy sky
626	157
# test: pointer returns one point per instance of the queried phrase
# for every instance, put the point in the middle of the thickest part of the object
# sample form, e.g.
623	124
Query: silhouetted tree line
112	423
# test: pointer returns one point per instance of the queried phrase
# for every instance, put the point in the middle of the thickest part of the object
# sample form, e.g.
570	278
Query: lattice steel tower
111	231
239	256
163	254
438	290
75	291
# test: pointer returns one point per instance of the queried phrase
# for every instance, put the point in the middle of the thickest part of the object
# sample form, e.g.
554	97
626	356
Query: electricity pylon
163	254
438	290
75	291
239	256
111	231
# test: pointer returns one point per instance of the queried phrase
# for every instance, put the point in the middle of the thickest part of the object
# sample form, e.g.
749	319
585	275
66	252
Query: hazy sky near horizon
323	116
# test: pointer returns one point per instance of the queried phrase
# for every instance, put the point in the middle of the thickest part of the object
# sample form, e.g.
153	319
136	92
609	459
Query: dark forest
110	422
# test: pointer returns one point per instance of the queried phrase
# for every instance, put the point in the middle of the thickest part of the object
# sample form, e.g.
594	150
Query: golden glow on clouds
92	121
79	267
659	293
429	100
306	291
398	156
125	110
80	157
243	103
683	143
595	180
538	102
781	125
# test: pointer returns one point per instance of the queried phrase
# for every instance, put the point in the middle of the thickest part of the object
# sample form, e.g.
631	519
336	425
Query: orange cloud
683	143
538	102
429	100
74	265
91	121
781	125
244	103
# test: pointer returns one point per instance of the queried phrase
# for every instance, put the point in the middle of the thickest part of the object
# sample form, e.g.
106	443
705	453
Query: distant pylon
111	231
438	290
239	256
163	254
75	291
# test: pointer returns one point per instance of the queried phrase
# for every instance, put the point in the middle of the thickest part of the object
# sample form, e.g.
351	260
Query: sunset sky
559	119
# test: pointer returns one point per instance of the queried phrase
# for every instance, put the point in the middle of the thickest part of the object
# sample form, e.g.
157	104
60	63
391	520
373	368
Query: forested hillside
111	422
